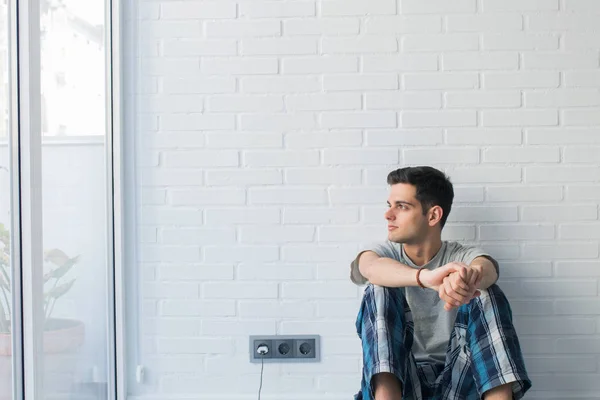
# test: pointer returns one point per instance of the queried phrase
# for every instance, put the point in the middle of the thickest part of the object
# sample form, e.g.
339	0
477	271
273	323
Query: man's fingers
454	297
459	286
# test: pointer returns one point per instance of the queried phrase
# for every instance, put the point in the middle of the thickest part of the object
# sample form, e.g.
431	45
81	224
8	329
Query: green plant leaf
63	269
60	290
56	257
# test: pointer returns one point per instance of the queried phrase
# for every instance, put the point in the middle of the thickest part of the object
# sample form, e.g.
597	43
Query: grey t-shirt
433	324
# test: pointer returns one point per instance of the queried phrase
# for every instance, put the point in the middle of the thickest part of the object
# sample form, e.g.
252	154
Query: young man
433	324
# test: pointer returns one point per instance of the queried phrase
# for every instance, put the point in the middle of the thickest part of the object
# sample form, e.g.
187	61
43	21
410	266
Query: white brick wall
265	131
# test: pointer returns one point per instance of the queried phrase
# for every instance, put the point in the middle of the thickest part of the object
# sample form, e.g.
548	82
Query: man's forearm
487	270
390	273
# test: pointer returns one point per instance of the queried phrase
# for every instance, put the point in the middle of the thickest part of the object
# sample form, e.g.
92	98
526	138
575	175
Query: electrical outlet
285	348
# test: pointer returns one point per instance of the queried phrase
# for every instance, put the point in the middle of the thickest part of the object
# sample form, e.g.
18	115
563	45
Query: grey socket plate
302	348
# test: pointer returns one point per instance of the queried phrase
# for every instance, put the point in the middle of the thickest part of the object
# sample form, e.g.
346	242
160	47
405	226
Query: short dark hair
433	187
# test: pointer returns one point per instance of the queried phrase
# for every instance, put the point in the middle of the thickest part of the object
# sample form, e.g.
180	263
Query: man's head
419	203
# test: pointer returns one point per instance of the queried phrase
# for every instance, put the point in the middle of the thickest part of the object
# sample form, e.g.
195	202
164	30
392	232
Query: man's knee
386	386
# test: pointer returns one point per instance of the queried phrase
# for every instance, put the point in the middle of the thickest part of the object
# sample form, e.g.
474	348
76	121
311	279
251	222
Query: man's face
406	222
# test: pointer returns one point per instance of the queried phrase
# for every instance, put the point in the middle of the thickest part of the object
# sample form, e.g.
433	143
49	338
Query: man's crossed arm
456	283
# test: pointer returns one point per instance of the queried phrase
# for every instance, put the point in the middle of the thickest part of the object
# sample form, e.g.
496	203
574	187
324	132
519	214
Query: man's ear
435	215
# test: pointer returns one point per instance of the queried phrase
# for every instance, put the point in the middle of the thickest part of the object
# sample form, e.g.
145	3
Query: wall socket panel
286	348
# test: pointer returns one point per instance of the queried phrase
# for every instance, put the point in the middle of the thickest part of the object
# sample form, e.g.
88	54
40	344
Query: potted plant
60	334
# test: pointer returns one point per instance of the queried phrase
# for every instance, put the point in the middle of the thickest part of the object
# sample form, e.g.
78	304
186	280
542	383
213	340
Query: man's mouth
391	227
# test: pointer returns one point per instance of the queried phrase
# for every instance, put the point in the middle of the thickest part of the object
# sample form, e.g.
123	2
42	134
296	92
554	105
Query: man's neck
421	253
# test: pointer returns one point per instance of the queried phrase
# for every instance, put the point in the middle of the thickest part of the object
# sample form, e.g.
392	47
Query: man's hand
455	282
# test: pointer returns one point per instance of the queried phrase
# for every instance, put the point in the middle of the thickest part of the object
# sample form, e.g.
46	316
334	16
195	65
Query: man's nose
388	215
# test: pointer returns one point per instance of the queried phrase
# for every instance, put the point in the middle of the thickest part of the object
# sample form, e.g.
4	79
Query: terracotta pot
60	335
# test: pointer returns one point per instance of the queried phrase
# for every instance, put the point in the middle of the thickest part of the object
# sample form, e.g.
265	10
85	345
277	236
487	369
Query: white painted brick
357	45
239	290
458	233
177	103
440	81
516	232
197	308
164	290
484	23
522	154
577	269
440	42
578	345
277	9
201	158
579	231
279	272
283	46
314	215
524	193
416	119
281	158
151	197
337	309
198	47
207	196
562	174
531	307
197	10
403	25
562	22
519	5
277	122
331	8
349	120
167	216
437	7
540	60
517	269
500	251
582	78
321	26
270	309
588	154
404	137
536	345
241	29
238	328
443	155
320	176
239	66
349	234
148	11
561	364
483	214
581	41
179	364
330	101
283	195
280	84
317	139
333	272
195	272
244	140
360	196
194	85
561	250
403	100
170	29
318	253
400	62
360	82
335	383
170	177
361	157
239	216
581	117
187	122
326	290
344	365
520	80
161	66
474	61
276	234
519	41
554	326
244	177
569	136
520	118
148	235
197	236
245	103
325	64
468	194
575	212
583	6
483	136
195	346
563	98
159	253
148	49
224	254
487	99
587	192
